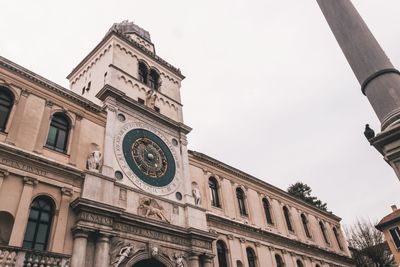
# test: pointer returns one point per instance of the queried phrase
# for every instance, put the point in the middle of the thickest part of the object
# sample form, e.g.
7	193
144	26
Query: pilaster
3	175
21	217
74	148
61	225
17	118
43	129
107	168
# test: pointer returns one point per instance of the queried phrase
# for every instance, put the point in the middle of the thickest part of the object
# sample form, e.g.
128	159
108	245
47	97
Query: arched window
153	79
213	185
279	261
299	263
267	211
287	218
58	132
143	72
317	265
39	223
251	257
323	230
335	232
6	226
305	225
221	252
6	102
241	201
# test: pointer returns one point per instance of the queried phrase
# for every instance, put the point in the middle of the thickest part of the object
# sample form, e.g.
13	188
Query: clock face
146	158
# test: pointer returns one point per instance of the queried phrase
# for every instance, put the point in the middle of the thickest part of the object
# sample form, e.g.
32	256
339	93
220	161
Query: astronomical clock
147	158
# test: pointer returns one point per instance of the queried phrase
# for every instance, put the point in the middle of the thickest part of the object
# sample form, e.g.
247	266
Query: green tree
303	191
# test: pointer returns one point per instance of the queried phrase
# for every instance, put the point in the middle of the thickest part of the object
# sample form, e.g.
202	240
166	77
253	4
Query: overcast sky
268	89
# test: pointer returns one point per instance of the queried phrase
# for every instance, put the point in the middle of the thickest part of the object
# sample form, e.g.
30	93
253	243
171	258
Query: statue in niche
93	162
150	208
197	195
151	97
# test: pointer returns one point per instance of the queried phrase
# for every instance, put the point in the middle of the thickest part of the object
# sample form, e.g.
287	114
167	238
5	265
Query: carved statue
197	196
124	253
150	207
179	260
94	160
154	251
151	97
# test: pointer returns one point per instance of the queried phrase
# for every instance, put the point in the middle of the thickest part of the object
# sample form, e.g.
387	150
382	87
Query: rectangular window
141	101
157	109
395	233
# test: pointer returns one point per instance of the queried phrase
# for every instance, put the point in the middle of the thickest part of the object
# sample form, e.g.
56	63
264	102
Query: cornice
38	160
37	79
120	96
218	164
288	243
134	44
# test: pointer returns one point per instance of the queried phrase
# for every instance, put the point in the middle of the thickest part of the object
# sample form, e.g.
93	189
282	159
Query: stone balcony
19	257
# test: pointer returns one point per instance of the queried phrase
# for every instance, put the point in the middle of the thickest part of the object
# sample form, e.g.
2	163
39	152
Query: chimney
394	207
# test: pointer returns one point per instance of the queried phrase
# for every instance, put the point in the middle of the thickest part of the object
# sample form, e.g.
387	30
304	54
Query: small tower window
267	211
335	232
6	102
251	257
305	225
323	230
299	263
153	79
241	201
143	72
221	253
58	133
287	219
213	185
279	261
39	223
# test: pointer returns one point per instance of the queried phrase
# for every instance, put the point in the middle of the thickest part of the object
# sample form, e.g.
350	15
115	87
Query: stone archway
149	263
145	259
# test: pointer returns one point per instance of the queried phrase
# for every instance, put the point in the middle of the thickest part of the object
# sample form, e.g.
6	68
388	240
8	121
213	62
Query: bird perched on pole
369	133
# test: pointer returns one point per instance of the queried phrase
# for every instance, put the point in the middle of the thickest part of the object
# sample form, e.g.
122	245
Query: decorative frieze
100	219
23	166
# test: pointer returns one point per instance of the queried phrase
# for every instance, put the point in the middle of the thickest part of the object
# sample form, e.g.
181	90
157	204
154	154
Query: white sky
268	89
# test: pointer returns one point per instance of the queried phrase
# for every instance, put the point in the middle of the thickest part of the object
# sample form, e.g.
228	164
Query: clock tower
144	178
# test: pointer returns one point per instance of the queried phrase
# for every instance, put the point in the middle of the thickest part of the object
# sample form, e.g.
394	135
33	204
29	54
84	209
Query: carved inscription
90	217
23	166
151	234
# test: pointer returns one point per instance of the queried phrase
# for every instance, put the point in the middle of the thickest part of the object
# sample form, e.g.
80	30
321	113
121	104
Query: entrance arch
149	263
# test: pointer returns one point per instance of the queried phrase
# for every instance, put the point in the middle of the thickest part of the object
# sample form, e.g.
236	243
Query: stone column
21	217
78	258
102	251
61	226
43	128
107	168
74	148
207	260
379	81
16	119
194	260
3	175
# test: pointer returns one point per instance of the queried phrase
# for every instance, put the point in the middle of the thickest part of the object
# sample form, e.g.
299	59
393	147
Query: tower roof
127	27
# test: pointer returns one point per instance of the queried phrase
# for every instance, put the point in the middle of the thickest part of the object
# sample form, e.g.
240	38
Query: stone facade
103	201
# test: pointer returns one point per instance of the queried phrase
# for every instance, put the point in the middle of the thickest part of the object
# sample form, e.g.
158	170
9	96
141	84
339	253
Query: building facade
100	175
